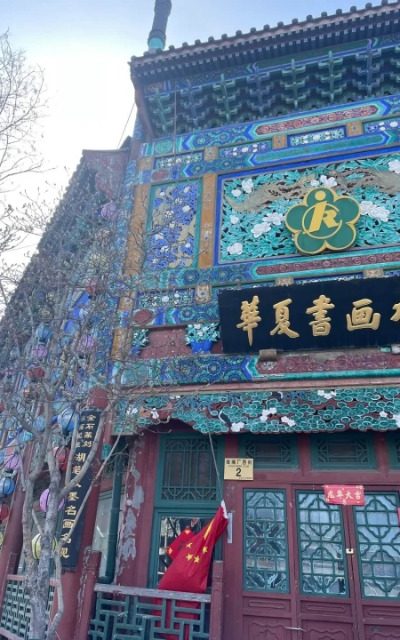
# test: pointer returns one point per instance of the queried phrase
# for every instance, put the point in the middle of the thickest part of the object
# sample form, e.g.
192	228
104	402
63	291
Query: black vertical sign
88	425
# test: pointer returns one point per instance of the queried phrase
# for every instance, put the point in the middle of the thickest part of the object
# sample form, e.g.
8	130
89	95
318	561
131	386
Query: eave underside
227	93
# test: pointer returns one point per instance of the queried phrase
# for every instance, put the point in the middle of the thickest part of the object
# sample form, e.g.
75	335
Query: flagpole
219	483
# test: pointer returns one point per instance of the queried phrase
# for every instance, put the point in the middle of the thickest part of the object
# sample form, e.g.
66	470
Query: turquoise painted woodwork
278	156
163	284
252	207
16	608
235	134
144	614
272	85
192	369
213	368
273	411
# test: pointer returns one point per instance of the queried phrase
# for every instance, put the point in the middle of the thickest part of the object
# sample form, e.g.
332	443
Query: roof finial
157	36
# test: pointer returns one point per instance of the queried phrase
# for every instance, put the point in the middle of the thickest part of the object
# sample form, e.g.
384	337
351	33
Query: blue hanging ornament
24	437
7	487
68	420
39	424
43	333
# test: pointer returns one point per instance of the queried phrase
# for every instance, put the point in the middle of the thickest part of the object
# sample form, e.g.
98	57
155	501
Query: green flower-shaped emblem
325	220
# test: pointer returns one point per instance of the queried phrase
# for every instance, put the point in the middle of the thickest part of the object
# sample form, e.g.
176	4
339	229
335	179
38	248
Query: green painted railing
147	614
16	610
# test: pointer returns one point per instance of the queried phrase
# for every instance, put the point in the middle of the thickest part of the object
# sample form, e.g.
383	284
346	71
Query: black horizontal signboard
318	315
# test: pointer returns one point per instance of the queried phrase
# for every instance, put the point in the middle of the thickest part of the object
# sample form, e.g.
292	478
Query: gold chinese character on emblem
250	317
363	316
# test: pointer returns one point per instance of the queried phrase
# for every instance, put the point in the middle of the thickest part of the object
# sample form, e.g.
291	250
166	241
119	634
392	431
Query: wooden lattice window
265	553
186	495
393	442
188	470
378	536
270	452
321	546
349	450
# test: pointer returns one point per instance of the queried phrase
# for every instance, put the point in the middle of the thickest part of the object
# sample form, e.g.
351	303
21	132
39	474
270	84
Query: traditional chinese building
264	184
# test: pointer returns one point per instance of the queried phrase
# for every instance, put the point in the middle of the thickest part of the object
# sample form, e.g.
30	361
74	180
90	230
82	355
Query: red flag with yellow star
180	541
189	570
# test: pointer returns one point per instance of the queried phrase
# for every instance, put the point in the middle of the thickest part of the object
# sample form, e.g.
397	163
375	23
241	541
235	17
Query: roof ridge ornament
157	36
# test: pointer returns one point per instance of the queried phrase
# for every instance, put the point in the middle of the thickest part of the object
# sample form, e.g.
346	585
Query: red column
87	595
135	539
12	544
216	601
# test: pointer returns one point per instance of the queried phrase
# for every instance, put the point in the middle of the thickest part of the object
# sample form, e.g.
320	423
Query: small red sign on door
346	494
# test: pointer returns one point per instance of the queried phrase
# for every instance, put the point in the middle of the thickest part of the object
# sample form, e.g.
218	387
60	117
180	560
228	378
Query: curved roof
306	65
324	30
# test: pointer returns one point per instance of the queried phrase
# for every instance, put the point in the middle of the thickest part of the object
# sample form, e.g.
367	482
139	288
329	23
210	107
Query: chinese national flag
189	570
180	541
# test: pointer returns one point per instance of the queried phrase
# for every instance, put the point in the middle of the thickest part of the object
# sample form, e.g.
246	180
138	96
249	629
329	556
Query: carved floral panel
171	232
252	207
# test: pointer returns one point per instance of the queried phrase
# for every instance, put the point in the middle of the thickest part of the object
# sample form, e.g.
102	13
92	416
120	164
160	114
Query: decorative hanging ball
36	373
109	211
11	425
44	501
39	352
59	406
97	398
39	424
86	344
12	461
43	333
83	312
24	436
37	546
61	455
68	420
4	511
7	487
70	327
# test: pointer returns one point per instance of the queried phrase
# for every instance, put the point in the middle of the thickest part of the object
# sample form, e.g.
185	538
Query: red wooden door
374	536
311	571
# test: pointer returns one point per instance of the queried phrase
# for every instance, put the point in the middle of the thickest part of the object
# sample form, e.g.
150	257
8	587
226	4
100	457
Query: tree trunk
39	615
39	572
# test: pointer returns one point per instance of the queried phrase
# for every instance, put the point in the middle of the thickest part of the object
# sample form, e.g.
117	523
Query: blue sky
84	46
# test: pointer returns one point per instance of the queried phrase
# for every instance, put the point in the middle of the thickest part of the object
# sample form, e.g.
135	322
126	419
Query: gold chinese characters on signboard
361	316
239	469
70	532
321	314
